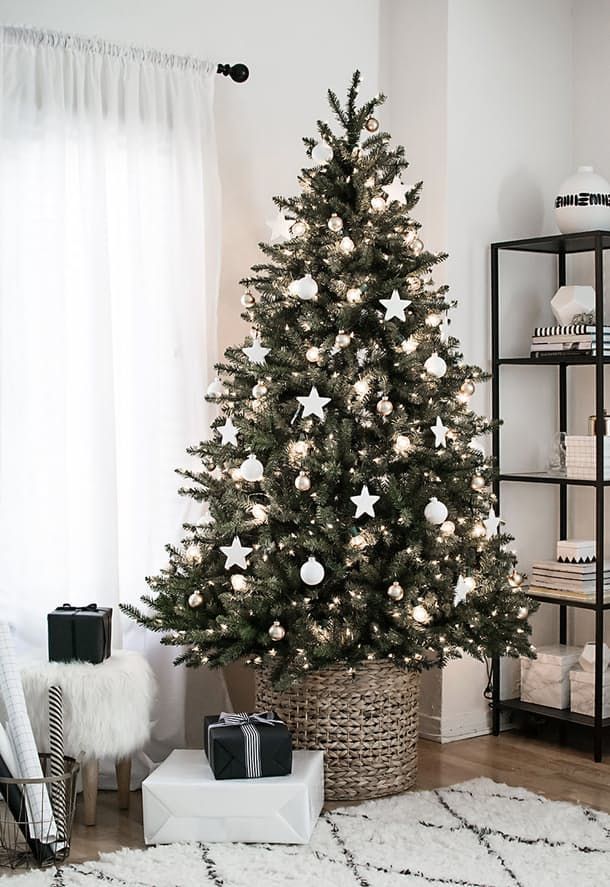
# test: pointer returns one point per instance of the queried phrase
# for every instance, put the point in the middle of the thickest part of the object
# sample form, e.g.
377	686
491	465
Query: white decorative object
491	523
251	469
581	456
440	433
215	388
255	352
228	432
322	153
435	512
583	202
235	554
280	228
364	502
582	692
313	404
312	572
435	366
395	306
587	657
395	191
576	551
570	301
545	680
305	288
462	589
183	802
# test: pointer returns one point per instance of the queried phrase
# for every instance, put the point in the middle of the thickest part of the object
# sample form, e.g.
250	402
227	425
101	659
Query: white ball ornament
251	469
259	390
409	346
435	511
522	613
195	600
248	300
312	572
192	555
322	153
477	482
402	444
396	591
312	354
305	288
421	615
467	388
354	295
302	482
378	204
447	528
238	582
435	366
347	245
299	228
384	407
342	339
335	223
215	388
416	246
277	632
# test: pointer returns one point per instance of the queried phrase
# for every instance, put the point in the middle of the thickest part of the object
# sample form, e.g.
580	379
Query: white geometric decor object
184	802
546	679
570	301
582	692
583	203
576	551
587	657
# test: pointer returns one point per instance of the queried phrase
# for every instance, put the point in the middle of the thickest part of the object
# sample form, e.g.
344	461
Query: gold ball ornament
354	295
259	390
396	591
335	223
371	124
384	407
467	388
342	339
378	204
277	632
302	482
195	600
248	300
477	482
312	354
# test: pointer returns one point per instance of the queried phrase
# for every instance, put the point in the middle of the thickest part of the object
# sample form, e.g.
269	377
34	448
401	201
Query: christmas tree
347	513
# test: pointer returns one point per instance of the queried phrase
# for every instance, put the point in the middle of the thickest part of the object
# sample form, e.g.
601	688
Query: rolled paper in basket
56	745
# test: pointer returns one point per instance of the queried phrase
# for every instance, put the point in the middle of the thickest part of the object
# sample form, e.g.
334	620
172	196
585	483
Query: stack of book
575	581
578	338
580	457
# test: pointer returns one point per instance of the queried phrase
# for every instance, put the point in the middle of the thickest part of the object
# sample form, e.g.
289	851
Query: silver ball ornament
322	153
195	599
384	407
335	223
259	390
416	246
522	613
277	632
467	388
248	300
372	124
421	615
447	528
215	388
347	245
414	283
298	229
515	579
302	482
477	482
396	591
312	354
342	340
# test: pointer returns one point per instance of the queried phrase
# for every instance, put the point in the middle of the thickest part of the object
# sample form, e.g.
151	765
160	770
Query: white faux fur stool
107	713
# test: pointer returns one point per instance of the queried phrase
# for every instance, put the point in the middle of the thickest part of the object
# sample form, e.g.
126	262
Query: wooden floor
560	773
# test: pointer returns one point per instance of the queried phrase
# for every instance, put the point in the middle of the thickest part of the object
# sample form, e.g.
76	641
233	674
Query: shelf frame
560	245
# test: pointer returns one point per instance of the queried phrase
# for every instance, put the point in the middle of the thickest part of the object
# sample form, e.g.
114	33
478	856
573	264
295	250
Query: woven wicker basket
366	723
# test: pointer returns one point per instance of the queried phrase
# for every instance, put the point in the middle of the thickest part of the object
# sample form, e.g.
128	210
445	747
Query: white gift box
546	680
582	692
184	802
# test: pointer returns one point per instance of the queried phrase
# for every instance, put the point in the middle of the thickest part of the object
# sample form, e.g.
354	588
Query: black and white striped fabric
56	747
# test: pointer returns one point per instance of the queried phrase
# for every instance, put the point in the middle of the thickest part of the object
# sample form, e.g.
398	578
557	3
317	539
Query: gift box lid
579	676
575	549
556	654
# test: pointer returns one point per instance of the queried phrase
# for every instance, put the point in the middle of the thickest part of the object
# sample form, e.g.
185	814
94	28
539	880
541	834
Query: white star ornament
228	432
235	554
255	352
313	404
364	502
440	433
395	306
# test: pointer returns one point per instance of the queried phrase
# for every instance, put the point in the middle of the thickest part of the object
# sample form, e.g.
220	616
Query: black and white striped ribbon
56	745
252	739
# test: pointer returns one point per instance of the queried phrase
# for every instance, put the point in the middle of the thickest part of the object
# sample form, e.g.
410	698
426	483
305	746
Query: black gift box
83	634
258	746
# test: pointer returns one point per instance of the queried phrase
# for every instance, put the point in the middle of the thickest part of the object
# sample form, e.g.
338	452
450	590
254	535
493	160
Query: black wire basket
26	840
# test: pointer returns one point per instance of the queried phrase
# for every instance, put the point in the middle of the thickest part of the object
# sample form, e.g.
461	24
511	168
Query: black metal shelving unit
560	245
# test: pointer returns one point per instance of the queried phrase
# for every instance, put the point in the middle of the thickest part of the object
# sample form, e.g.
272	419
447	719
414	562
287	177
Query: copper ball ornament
371	124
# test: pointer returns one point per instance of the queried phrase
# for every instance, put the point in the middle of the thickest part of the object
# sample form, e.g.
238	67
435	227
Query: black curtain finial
238	73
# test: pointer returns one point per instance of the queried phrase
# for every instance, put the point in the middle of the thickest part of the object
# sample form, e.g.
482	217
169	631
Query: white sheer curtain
109	254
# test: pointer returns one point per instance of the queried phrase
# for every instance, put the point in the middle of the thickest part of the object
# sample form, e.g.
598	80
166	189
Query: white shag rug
477	834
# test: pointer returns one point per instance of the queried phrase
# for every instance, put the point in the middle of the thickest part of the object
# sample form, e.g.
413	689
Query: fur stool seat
107	713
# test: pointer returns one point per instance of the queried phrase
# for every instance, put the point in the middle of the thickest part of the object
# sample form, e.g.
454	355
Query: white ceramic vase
583	202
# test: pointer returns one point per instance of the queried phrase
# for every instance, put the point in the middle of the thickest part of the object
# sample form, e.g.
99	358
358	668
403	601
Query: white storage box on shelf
545	680
582	692
580	456
576	551
184	802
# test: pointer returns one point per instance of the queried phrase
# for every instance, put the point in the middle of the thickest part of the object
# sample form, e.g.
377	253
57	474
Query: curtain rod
239	73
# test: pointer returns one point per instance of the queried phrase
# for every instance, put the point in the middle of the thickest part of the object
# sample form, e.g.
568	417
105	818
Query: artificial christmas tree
347	513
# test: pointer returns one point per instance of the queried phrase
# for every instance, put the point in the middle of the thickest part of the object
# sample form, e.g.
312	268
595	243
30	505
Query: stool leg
90	778
123	778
